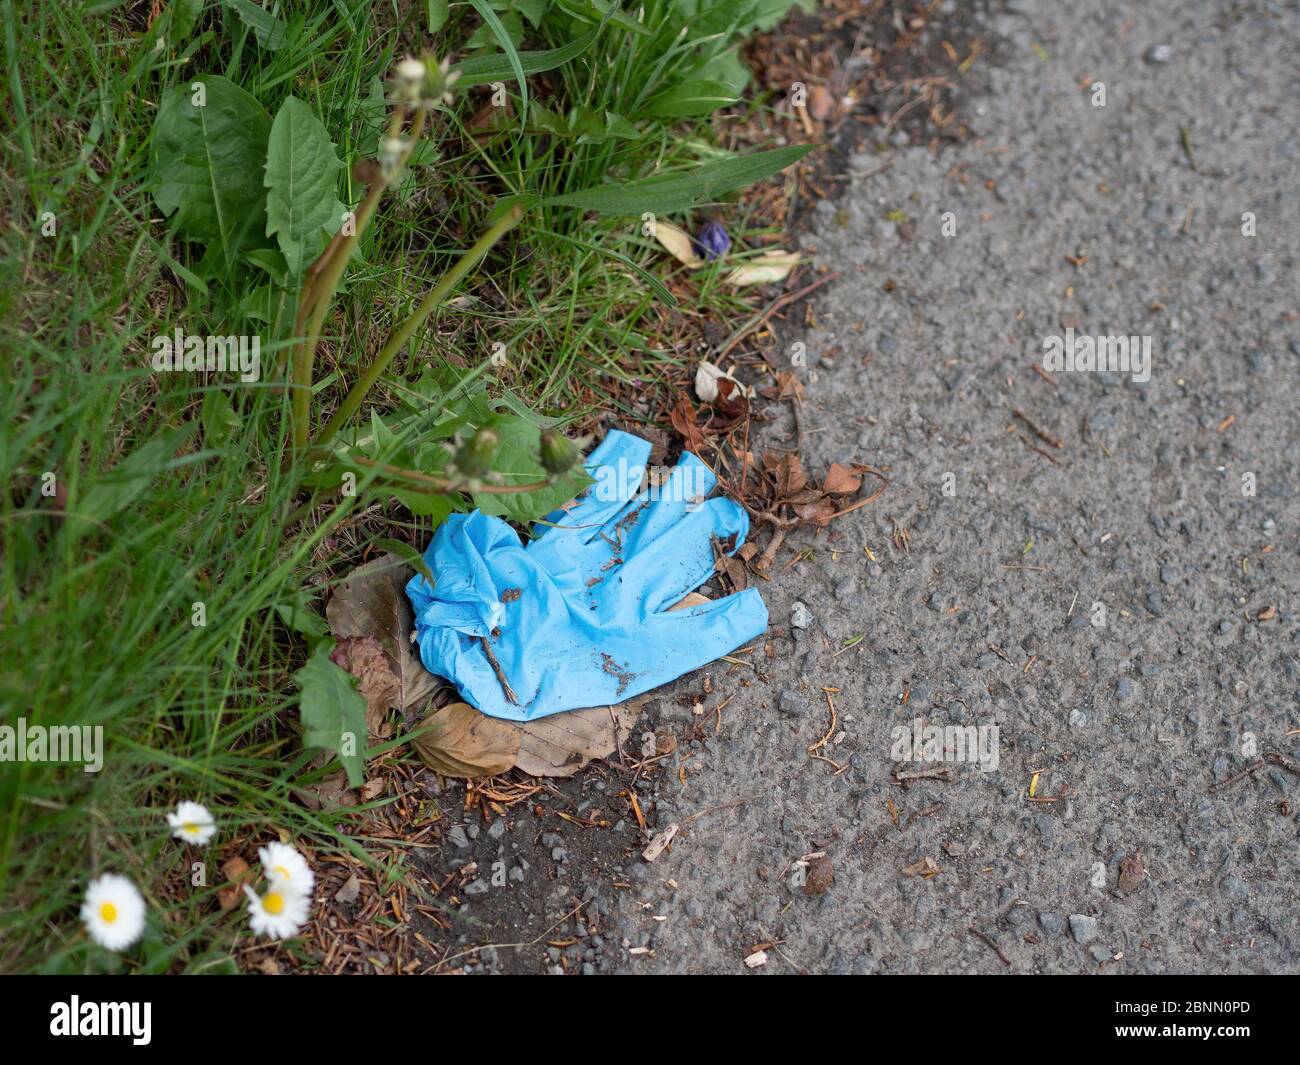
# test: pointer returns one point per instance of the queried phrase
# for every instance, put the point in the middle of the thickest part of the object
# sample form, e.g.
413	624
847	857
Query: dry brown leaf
925	867
364	658
686	422
372	602
459	741
787	386
735	569
817	513
788	473
840	480
237	874
561	744
332	793
821	104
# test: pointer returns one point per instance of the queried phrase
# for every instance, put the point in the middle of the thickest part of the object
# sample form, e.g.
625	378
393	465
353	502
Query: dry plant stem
325	274
441	484
403	332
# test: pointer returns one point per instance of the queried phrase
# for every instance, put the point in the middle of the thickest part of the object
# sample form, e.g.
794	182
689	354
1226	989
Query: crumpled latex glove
581	616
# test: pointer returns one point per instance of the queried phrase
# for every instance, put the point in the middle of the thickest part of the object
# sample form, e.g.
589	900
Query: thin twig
1042	434
496	668
762	319
990	943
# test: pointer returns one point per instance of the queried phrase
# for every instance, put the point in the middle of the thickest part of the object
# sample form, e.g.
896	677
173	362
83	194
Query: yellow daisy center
107	912
273	903
191	828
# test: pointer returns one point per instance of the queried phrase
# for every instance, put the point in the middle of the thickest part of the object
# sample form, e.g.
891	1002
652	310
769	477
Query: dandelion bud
558	453
438	80
474	459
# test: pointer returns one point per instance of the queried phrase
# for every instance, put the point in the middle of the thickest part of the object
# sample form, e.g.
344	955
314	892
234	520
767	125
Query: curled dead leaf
459	741
817	512
686	422
787	472
841	480
364	658
372	601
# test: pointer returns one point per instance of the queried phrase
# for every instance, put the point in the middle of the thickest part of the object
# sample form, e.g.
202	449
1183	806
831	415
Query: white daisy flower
279	913
191	823
286	868
113	912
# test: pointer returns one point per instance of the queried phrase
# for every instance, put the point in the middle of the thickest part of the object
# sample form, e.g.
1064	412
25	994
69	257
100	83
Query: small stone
497	829
1083	928
348	893
1127	689
458	837
477	887
800	616
1078	718
791	703
1159	53
1235	886
1051	923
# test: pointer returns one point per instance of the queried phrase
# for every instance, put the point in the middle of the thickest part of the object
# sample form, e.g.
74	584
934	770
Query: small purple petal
712	241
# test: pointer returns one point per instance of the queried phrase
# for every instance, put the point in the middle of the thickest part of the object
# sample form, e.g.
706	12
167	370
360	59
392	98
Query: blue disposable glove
591	622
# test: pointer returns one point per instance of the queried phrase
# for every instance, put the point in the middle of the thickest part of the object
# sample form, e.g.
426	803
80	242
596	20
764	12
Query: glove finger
682	560
710	630
659	507
618	467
